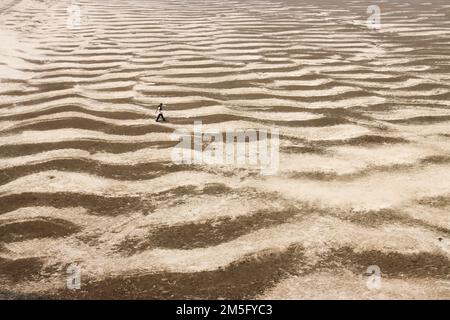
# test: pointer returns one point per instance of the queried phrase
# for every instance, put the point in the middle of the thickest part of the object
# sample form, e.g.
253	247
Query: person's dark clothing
160	114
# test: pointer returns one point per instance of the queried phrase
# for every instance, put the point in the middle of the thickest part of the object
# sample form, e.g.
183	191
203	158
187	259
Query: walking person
159	112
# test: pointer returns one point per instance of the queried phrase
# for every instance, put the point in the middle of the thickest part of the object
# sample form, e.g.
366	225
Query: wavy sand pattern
86	176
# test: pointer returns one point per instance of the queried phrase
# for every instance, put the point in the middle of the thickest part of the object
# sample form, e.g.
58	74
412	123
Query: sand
87	178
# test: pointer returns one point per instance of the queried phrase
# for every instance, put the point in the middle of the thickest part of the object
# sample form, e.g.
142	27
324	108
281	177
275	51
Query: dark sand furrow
392	264
439	98
353	113
197	103
221	118
303	150
205	234
92	146
129	172
100	125
364	140
65	83
421	120
8	5
36	229
87	62
256	273
20	270
298	145
89	124
357	93
95	204
378	218
119	115
402	104
437	202
244	278
15	295
31	101
72	68
110	205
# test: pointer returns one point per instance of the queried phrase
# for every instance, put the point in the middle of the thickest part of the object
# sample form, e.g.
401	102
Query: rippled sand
86	176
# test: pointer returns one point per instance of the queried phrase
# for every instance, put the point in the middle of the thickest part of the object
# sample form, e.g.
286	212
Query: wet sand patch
89	124
19	270
438	202
364	141
205	234
117	115
242	279
107	205
141	171
36	229
93	146
392	264
95	204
